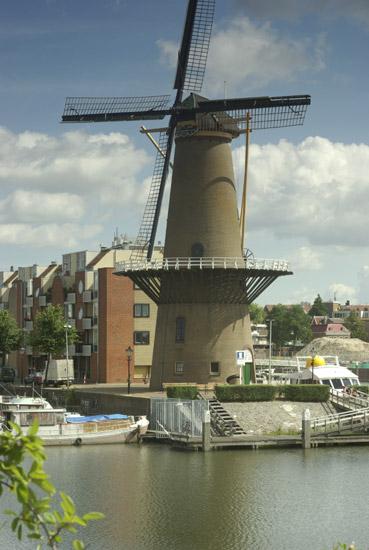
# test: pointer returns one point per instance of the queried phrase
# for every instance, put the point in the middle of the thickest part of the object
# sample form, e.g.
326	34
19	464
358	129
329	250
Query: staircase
222	423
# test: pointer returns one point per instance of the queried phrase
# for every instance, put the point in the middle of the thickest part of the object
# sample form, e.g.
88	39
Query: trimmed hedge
249	392
182	392
306	392
364	388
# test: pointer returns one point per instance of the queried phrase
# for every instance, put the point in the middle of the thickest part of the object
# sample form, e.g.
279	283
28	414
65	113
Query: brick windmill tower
205	281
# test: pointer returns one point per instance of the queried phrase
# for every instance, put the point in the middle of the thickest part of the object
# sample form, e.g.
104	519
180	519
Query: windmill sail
193	54
145	232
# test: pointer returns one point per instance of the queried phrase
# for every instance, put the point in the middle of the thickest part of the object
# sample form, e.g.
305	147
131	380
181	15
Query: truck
60	371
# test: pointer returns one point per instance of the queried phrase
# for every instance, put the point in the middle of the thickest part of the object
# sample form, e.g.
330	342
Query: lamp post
129	352
67	327
270	321
312	365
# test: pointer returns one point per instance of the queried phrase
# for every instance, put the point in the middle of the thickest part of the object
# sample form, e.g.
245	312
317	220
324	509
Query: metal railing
355	400
177	418
351	420
203	263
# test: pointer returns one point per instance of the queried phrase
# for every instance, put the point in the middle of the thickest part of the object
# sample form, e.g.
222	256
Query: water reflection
154	497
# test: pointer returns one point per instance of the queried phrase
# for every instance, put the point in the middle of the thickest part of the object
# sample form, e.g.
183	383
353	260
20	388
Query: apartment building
108	312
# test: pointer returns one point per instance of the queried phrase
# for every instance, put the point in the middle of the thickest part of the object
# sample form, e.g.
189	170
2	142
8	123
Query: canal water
154	497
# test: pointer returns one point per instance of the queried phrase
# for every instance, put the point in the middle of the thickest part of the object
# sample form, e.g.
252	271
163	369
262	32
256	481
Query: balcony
94	321
71	322
87	296
71	298
86	350
86	323
29	301
28	325
42	301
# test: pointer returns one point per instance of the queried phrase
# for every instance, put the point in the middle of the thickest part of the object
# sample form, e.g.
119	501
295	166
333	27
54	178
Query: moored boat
57	426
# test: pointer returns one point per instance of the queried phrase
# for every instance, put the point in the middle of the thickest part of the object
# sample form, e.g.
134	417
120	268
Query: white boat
324	369
59	427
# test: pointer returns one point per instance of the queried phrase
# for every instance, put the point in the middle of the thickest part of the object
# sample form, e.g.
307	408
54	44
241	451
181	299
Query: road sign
243	356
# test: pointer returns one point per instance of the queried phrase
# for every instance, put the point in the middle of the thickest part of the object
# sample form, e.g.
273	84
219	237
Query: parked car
34	378
7	374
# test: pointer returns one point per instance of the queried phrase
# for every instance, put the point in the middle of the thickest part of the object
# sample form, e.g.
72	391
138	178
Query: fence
174	417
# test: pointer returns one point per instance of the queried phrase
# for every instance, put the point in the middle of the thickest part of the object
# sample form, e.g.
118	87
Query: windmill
204	283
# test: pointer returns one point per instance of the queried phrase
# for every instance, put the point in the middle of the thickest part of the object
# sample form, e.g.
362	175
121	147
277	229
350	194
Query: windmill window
141	337
179	367
215	368
180	330
197	250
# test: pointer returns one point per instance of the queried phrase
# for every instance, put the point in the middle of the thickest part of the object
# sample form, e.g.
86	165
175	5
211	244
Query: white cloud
307	259
35	206
342	292
244	53
288	9
317	190
78	180
107	166
57	235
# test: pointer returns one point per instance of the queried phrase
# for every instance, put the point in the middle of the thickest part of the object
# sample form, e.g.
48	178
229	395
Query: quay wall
94	402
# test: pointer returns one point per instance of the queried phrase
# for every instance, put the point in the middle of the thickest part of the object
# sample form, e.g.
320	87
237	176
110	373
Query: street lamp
67	327
129	352
270	321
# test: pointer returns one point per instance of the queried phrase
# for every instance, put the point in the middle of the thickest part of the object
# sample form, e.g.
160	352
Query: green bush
364	388
182	392
252	392
306	392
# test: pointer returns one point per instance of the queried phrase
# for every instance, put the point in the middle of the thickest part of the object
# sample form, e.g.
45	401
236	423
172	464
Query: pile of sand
347	349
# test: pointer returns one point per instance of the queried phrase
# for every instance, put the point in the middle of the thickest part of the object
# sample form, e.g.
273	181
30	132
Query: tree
257	314
22	473
10	334
48	334
290	323
318	308
356	326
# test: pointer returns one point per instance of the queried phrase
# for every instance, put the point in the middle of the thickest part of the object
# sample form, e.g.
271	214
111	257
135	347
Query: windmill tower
205	281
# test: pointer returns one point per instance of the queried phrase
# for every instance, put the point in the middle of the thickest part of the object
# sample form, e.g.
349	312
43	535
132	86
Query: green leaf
32	430
19	532
22	494
90	516
78	545
67	504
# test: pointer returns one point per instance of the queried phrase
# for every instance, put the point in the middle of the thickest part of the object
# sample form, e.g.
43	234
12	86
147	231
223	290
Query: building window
141	310
141	337
180	330
215	368
179	367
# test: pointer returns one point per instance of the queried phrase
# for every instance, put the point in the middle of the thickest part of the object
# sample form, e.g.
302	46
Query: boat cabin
25	410
324	370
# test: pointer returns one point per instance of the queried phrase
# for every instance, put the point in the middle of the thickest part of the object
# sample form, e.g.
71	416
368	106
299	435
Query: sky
69	187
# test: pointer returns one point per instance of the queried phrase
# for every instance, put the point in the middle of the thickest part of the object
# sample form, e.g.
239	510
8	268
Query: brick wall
115	326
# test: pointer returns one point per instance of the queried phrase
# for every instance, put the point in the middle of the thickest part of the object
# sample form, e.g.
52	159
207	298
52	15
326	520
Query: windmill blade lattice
103	109
144	235
193	54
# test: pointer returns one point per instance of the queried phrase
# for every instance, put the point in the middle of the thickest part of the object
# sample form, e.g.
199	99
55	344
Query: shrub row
306	392
252	392
257	392
263	392
182	392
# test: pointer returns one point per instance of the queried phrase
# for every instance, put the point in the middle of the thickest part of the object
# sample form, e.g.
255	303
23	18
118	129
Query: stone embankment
272	416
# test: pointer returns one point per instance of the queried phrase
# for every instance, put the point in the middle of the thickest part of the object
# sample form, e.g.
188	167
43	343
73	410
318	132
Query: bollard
206	444
306	429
